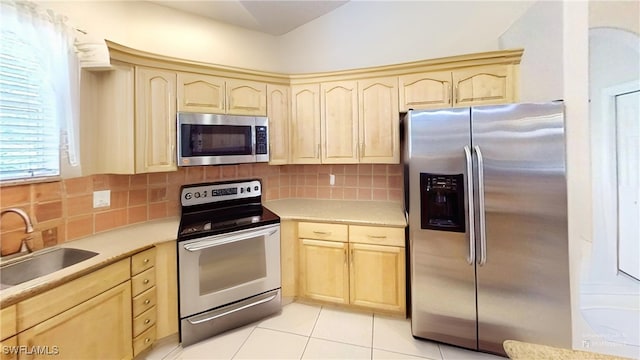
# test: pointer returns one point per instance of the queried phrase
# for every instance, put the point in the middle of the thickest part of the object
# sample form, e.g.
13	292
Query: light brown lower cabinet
99	328
324	270
9	348
377	276
110	313
363	266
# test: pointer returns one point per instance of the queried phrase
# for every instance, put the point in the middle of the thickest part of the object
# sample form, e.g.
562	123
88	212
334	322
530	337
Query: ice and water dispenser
442	202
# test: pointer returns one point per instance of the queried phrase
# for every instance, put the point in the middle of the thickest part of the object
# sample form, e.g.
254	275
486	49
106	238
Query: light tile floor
304	331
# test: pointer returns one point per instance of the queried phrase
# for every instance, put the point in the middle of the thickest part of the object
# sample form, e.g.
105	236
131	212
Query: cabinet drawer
377	235
322	231
144	301
8	322
144	340
143	281
143	261
41	307
144	321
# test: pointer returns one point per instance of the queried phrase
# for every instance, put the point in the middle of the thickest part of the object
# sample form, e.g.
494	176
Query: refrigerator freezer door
523	277
443	303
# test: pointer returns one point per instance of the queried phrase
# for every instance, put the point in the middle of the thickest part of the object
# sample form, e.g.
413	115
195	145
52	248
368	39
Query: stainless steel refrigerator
487	203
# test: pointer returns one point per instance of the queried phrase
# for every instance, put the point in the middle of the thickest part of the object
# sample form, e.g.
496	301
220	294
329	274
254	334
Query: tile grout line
373	329
311	333
244	342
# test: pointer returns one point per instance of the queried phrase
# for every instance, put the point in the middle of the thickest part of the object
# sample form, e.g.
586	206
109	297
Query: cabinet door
483	85
278	113
200	93
305	124
155	120
377	276
339	122
103	324
431	90
324	272
379	121
246	97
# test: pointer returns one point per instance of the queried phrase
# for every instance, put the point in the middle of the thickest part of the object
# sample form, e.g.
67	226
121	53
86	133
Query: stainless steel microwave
214	139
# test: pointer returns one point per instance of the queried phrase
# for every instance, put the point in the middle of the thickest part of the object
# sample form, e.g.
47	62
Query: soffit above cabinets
271	17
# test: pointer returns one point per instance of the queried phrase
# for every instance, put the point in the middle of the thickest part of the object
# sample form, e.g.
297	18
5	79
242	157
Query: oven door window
216	140
226	266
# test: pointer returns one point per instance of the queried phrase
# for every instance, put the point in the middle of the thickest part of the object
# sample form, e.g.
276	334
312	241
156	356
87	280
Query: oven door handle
222	239
229	312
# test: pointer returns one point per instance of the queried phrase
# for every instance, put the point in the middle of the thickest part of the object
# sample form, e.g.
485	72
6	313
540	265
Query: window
29	135
37	74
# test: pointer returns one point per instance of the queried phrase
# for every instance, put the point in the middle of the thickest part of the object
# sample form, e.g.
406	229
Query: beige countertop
111	246
340	211
119	243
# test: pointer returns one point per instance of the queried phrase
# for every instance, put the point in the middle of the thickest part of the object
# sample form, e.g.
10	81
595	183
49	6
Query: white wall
539	32
153	28
371	33
357	34
555	65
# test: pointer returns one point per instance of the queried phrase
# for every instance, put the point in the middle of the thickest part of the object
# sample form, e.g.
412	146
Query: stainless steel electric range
228	258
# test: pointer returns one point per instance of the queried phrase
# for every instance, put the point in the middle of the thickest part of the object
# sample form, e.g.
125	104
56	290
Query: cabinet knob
147	302
147	321
146	261
146	281
147	340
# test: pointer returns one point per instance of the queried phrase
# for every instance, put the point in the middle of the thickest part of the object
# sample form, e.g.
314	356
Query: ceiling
271	17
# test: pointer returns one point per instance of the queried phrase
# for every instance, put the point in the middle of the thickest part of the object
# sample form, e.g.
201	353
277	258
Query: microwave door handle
218	240
254	142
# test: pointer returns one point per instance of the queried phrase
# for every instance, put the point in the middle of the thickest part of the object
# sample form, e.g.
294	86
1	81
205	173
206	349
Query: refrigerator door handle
469	191
483	230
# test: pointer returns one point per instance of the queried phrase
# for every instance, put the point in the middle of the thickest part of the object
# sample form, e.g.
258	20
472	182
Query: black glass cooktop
206	223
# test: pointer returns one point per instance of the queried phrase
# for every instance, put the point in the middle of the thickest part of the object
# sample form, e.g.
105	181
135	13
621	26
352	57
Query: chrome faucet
28	229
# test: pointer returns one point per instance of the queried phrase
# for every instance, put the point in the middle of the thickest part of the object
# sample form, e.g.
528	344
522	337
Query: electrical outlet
101	198
50	237
332	179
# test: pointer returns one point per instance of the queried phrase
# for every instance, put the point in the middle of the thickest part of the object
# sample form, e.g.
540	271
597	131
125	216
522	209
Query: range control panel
198	194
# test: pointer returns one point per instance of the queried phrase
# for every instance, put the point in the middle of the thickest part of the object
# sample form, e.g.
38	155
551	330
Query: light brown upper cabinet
358	122
305	124
339	122
378	121
128	120
478	85
278	111
484	85
211	94
155	99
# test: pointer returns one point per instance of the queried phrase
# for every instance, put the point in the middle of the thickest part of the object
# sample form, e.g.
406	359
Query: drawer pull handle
377	236
147	302
322	232
147	340
146	261
146	281
147	321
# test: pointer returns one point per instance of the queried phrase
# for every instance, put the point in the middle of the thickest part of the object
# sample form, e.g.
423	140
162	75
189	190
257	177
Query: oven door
220	269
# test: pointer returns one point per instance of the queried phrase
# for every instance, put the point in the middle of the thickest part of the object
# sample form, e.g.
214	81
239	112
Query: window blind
29	135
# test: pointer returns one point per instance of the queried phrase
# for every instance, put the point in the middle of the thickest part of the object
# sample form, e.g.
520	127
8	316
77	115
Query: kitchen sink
40	263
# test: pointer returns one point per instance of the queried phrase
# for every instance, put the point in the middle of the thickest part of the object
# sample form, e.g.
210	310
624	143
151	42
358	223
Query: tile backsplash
63	210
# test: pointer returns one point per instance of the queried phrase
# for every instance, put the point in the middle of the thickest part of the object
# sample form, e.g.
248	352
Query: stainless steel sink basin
40	263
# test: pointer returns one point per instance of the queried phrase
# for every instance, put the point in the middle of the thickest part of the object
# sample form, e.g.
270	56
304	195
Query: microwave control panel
261	140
